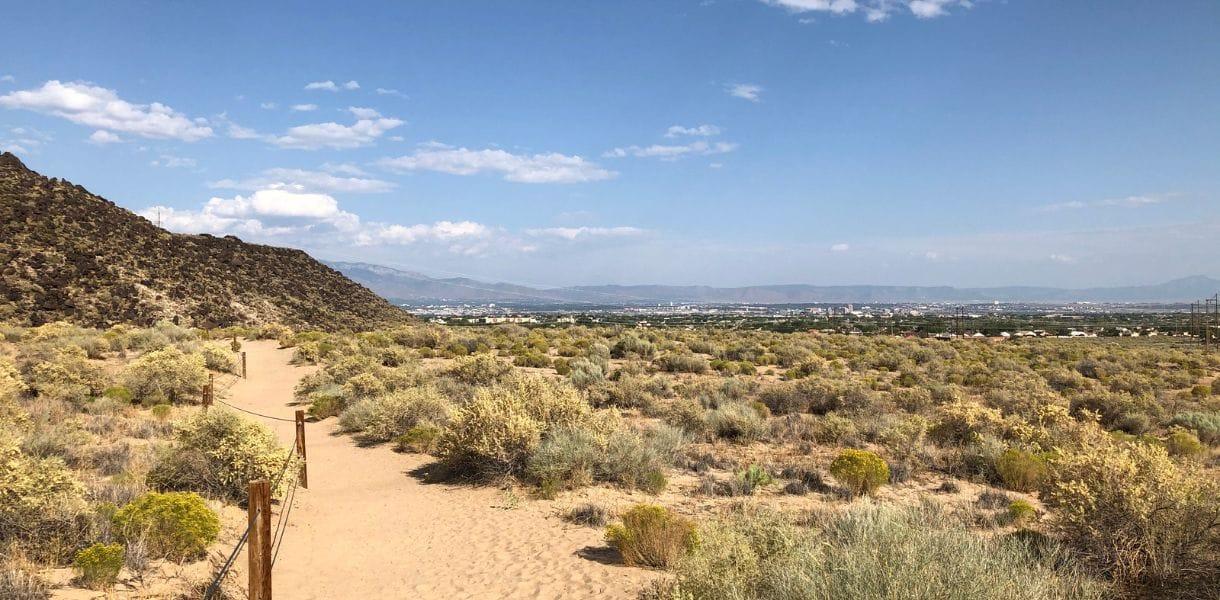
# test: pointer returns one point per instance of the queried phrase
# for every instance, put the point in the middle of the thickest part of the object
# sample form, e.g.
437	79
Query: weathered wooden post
207	392
243	364
258	544
304	476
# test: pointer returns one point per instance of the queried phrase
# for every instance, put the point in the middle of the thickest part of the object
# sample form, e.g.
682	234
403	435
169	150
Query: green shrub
566	458
218	452
327	402
860	470
174	525
99	565
217	357
1021	513
753	478
1205	425
736	421
386	417
1184	444
362	386
682	363
420	439
652	536
162	412
499	429
1020	470
166	374
480	369
68	376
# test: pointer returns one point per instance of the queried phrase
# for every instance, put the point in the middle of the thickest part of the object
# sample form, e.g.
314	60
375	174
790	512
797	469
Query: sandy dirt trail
366	528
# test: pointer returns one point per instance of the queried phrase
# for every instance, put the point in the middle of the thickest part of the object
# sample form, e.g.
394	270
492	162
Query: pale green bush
868	553
167	374
218	452
218	357
389	416
69	376
42	506
480	369
861	471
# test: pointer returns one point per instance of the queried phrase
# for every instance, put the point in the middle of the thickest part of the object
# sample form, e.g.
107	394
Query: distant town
996	319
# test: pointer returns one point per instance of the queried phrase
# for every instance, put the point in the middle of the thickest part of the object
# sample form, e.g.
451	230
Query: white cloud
575	233
363	113
672	152
174	162
840	247
1062	259
838	7
315	136
441	230
1125	202
331	86
303	180
522	168
102	137
746	91
268	105
102	108
303	107
390	92
874	11
698	130
8	78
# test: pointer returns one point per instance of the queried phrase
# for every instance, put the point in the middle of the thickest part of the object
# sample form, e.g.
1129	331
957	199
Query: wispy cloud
1125	202
874	11
330	86
390	92
672	151
103	109
369	126
305	180
698	130
102	137
174	162
523	168
7	78
576	233
303	107
746	91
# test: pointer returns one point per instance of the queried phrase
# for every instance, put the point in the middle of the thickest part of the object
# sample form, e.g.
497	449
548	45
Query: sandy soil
368	528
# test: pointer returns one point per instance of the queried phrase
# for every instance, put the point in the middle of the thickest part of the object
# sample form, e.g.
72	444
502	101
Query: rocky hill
68	254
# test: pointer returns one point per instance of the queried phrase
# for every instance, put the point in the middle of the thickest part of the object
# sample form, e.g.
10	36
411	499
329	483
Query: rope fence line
255	514
263	543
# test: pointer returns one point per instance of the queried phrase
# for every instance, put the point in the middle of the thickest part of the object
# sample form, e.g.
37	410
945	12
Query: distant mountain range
411	287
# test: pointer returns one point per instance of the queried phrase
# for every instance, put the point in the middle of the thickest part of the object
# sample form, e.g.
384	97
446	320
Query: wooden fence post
207	392
258	544
243	364
300	414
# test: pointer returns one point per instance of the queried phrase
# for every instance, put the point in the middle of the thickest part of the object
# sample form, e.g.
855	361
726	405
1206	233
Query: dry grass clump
383	418
652	536
868	552
19	579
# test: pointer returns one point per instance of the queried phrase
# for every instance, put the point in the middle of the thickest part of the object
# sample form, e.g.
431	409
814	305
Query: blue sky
724	142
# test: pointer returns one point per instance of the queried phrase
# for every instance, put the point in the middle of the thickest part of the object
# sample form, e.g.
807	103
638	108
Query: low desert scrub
570	457
166	375
588	514
498	430
1135	515
1205	425
174	525
862	472
19	579
99	565
219	453
868	552
420	439
1020	470
736	421
1021	513
480	369
42	505
69	376
384	418
219	357
652	536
